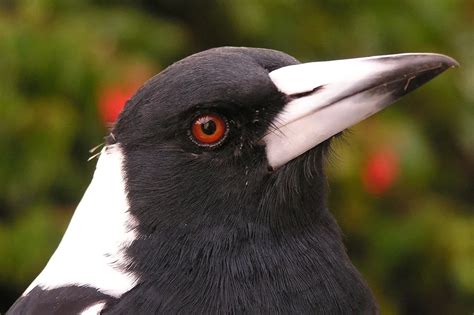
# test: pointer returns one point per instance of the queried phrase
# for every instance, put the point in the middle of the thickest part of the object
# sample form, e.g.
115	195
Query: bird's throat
285	259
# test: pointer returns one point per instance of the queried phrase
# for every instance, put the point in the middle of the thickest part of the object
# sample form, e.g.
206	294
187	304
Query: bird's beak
324	98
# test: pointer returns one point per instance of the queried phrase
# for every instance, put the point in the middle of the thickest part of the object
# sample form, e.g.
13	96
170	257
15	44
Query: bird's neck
284	254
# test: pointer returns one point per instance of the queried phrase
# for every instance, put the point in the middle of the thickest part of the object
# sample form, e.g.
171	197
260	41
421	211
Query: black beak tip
423	68
447	62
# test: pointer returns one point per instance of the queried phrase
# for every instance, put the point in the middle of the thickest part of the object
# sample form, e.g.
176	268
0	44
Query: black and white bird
210	195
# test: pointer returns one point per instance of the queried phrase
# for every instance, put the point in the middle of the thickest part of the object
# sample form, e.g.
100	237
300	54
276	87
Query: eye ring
209	130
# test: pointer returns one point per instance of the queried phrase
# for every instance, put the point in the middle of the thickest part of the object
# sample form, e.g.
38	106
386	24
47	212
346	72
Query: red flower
380	171
111	101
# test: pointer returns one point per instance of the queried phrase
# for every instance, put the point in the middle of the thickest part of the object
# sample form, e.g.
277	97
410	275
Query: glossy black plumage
223	234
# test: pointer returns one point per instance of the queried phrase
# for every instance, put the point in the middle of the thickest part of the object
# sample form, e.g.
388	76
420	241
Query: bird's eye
209	130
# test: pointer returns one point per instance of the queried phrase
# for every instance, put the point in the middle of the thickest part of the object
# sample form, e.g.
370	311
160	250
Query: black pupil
209	127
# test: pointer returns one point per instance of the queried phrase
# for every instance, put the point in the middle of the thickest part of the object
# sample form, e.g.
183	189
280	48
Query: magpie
210	195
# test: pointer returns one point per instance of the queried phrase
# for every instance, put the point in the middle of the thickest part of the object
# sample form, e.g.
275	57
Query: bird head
242	132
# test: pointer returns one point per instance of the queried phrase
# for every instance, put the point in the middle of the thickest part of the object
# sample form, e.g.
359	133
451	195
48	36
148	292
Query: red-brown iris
209	129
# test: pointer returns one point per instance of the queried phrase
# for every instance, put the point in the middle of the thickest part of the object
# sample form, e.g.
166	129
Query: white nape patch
94	309
339	95
92	251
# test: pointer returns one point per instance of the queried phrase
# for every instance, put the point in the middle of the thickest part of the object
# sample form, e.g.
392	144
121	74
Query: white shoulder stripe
92	251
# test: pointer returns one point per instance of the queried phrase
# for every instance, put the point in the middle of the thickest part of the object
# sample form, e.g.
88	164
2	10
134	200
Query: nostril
307	93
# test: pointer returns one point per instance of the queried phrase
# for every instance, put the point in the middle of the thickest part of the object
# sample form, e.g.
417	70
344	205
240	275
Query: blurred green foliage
413	241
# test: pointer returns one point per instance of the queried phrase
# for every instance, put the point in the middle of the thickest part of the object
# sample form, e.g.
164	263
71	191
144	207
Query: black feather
220	233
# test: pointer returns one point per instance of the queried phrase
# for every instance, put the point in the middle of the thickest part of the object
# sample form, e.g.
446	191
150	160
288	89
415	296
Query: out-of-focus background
401	182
